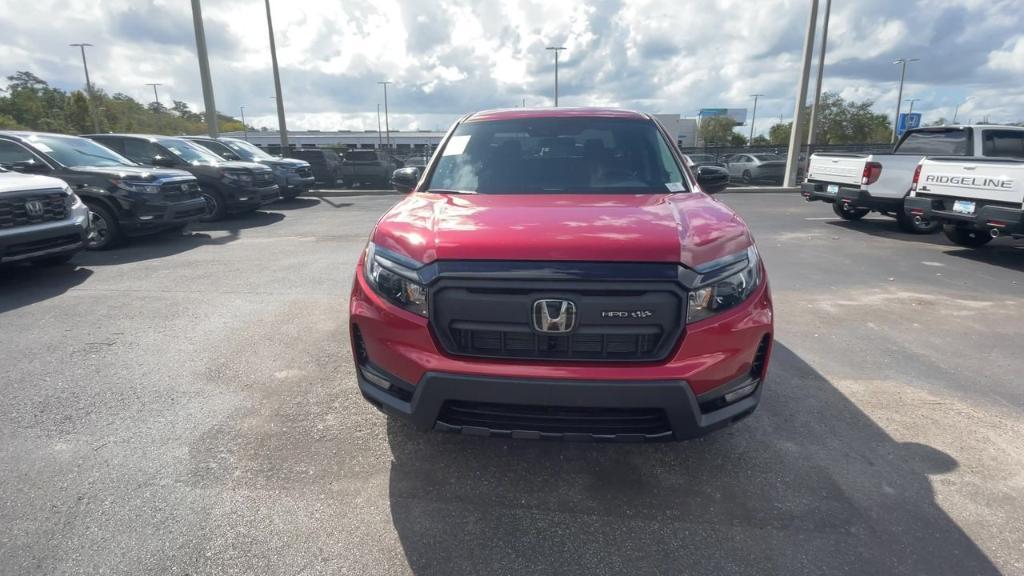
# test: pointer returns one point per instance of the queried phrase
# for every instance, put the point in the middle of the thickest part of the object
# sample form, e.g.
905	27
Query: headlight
72	201
240	177
395	282
140	187
727	287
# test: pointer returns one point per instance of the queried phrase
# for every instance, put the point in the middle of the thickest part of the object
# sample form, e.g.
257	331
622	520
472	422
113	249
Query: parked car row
60	194
965	180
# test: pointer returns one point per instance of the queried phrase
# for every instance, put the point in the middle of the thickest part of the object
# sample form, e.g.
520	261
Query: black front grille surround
638	317
14	213
495	418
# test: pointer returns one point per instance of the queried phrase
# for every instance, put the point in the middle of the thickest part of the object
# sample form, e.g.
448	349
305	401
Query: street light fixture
88	87
899	97
155	95
956	112
556	50
821	74
387	125
245	129
281	126
753	118
911	100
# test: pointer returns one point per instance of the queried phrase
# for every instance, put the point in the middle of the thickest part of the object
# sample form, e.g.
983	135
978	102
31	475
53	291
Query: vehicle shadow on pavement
245	221
1005	253
23	285
807	485
294	204
889	229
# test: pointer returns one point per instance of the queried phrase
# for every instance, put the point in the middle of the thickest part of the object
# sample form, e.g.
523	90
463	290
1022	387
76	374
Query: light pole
281	126
753	118
821	74
956	112
88	87
204	69
380	139
556	50
245	129
387	124
155	95
796	134
899	97
911	100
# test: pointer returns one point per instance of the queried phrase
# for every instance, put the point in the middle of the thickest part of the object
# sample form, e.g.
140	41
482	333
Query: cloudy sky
447	57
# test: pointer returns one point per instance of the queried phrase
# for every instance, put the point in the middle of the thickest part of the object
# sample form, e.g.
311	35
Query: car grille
13	211
553	421
260	179
304	171
634	323
179	191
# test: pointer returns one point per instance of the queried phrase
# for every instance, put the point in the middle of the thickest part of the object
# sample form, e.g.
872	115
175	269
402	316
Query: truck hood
135	173
690	229
15	182
288	162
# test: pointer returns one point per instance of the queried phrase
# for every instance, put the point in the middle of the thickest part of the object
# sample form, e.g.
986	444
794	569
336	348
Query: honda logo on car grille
34	208
554	316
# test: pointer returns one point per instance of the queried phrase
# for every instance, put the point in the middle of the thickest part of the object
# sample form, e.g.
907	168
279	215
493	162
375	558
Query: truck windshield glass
247	151
935	143
189	152
72	151
558	155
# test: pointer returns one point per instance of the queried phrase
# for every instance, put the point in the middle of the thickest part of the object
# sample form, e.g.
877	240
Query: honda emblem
554	316
34	208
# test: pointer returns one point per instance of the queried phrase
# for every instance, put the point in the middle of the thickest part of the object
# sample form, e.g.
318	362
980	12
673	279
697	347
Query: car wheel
215	208
967	237
847	212
908	224
104	231
53	260
747	179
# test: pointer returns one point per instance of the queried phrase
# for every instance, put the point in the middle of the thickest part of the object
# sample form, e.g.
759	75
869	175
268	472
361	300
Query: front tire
104	230
215	209
967	237
907	224
847	212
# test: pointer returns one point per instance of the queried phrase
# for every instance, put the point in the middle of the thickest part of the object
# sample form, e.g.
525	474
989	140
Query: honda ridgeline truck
41	220
293	176
975	200
559	273
857	184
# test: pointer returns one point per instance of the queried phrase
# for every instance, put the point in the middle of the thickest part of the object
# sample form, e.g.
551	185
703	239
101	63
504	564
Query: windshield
73	151
558	155
218	148
935	143
247	151
189	152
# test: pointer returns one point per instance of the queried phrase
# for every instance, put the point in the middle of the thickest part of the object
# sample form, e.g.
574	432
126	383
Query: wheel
53	260
846	212
215	208
747	179
968	237
908	224
104	231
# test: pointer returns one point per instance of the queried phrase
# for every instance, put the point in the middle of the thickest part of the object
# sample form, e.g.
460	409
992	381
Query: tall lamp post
899	97
821	74
282	128
88	87
387	125
156	96
956	112
753	118
556	50
911	100
245	129
204	70
797	133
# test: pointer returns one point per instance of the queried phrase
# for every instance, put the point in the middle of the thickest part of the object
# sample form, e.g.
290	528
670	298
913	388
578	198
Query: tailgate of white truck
845	169
991	180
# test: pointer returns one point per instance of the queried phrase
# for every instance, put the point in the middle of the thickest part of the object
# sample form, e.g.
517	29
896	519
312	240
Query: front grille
261	179
616	322
304	171
13	210
179	191
24	248
554	420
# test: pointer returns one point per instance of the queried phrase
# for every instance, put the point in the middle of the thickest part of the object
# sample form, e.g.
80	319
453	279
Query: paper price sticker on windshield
456	145
674	186
42	147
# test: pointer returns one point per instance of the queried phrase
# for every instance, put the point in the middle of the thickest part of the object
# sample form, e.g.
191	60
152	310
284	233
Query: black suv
228	187
326	163
123	197
293	176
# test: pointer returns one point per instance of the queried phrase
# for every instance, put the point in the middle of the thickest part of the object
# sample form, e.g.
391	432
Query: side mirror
163	161
405	179
30	167
712	180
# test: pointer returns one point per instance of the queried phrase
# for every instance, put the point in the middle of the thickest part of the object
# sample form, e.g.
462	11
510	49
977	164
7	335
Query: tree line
30	103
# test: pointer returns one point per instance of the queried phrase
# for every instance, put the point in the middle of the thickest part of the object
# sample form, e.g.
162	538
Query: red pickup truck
559	273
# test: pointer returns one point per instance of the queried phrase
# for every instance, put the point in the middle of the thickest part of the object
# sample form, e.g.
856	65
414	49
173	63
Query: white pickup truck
975	200
857	184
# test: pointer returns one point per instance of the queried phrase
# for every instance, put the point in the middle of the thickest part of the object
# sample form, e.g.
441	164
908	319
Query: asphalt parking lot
187	405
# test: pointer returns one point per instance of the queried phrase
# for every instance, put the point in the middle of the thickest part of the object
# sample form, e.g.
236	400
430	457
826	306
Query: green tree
717	130
940	122
847	122
760	140
778	134
737	139
77	114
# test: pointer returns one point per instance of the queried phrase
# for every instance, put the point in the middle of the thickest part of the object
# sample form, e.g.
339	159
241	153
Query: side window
1003	143
141	151
11	153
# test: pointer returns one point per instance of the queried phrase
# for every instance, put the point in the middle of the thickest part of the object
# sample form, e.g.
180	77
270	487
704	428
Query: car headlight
725	287
397	283
140	187
71	201
239	177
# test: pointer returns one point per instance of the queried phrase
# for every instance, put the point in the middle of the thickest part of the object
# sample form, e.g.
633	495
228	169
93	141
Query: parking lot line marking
823	218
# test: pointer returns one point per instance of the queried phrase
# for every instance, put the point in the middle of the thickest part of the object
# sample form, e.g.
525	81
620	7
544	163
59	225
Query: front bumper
715	357
67	236
153	215
296	182
241	199
1007	219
